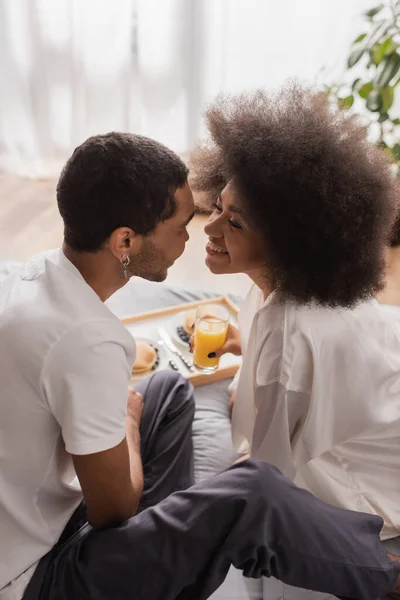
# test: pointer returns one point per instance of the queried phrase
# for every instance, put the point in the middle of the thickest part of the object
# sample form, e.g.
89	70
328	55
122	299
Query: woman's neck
260	278
391	293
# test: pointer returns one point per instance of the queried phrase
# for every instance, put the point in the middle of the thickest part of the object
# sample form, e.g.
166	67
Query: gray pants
182	547
272	589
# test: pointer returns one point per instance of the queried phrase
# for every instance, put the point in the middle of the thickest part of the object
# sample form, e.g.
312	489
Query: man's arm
85	380
106	485
133	418
112	481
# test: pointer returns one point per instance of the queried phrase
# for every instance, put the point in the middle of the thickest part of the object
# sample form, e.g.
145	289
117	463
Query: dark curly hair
395	237
117	180
322	196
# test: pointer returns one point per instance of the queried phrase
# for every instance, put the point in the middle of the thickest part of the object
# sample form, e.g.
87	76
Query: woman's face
233	245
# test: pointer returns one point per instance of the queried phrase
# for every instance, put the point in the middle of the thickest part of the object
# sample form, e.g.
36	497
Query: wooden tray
146	325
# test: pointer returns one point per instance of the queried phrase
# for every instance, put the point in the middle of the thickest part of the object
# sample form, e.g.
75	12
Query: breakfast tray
147	326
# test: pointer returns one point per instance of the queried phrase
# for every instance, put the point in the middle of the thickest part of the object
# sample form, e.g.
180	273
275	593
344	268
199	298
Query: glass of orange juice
209	335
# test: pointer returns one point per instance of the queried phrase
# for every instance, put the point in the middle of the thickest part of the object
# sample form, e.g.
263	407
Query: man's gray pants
181	546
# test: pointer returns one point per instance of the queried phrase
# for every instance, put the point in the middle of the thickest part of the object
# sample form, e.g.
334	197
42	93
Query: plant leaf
374	101
387	70
387	98
396	121
365	90
347	102
355	84
373	55
360	38
373	11
379	31
395	151
383	117
387	47
355	57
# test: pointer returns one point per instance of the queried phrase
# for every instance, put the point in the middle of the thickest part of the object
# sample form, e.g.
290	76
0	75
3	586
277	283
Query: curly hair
309	180
117	180
395	237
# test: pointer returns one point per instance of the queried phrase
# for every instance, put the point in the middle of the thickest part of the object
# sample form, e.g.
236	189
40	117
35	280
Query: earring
125	262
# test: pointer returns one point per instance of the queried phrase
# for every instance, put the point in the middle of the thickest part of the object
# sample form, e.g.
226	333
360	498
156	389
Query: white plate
172	325
162	355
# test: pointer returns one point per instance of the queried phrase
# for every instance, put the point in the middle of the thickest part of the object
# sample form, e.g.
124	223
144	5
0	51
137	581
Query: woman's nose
212	227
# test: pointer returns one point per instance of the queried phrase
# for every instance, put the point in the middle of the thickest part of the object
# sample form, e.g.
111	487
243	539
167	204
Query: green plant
372	75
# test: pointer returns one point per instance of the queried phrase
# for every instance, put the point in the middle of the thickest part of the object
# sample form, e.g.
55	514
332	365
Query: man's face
167	242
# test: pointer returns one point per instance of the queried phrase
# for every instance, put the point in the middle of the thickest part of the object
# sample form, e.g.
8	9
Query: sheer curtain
74	68
65	68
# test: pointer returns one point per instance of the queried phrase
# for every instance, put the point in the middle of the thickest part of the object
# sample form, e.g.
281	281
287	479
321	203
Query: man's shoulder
44	303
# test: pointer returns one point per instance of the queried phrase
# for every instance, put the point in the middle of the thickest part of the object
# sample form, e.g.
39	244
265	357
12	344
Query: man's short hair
117	180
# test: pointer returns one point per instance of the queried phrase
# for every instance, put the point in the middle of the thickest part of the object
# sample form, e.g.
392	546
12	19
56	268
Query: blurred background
73	68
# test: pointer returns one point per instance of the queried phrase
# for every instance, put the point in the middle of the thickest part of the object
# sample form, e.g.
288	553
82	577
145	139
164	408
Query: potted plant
372	77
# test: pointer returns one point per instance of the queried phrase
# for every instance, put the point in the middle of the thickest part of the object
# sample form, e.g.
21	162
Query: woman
303	204
390	295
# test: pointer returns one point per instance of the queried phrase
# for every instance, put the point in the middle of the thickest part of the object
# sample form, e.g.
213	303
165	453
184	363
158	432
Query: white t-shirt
319	397
64	370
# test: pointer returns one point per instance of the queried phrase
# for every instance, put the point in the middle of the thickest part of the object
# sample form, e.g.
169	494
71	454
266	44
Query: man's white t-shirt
319	397
64	370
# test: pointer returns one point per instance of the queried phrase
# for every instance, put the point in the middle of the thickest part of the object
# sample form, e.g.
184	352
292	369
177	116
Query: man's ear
125	241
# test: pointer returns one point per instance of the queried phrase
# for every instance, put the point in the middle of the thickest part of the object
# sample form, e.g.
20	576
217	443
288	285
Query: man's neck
97	270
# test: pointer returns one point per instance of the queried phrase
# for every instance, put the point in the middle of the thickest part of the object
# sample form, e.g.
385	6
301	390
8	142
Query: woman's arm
280	415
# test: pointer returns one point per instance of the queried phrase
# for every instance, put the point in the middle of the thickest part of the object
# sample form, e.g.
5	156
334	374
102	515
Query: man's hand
135	407
396	592
232	343
242	458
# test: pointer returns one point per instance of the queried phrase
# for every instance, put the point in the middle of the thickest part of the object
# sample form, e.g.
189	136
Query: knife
171	360
171	346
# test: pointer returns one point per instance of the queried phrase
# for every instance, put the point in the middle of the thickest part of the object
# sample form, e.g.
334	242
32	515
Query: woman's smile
213	249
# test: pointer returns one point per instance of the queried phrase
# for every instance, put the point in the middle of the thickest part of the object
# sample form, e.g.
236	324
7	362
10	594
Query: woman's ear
125	241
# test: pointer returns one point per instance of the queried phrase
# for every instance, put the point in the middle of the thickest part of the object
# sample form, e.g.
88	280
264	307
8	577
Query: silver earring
125	262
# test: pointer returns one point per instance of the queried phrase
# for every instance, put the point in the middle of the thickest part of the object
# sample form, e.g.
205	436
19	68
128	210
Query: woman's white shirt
319	397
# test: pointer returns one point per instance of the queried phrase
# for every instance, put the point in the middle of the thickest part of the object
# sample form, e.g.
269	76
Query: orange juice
209	336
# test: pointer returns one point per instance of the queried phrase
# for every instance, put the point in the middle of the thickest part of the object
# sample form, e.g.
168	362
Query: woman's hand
232	343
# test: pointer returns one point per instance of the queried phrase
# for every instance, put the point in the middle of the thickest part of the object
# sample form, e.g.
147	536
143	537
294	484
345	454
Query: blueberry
183	335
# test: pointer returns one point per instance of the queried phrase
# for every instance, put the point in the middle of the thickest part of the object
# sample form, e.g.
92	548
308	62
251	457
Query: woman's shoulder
312	315
316	325
300	340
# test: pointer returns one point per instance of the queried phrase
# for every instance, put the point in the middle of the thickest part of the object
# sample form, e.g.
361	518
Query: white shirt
319	397
64	370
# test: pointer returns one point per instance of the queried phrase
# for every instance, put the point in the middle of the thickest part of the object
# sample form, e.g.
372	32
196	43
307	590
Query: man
65	412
